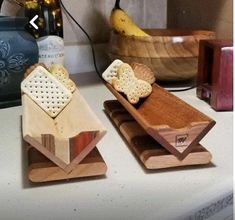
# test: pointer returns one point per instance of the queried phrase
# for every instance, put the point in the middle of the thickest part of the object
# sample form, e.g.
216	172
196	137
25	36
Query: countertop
127	191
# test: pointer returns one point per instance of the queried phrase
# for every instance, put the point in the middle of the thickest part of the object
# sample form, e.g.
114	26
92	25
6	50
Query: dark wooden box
215	73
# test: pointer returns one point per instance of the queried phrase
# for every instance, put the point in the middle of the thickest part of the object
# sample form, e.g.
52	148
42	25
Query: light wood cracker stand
63	147
146	148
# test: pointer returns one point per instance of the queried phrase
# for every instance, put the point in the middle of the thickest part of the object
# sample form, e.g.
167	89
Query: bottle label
51	50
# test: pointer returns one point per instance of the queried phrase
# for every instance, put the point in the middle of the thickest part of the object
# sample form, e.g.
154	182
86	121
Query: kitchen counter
127	191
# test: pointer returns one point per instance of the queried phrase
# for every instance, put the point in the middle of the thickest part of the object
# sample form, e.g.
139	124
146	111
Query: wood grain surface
146	148
67	139
41	169
176	125
171	53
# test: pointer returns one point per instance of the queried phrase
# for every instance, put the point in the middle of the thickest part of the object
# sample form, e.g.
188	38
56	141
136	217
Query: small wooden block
147	149
215	73
41	169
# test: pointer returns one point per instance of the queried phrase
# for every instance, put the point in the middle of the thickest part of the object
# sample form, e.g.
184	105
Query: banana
123	24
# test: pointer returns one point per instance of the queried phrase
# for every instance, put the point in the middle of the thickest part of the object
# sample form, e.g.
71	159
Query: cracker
111	72
48	92
132	87
70	85
31	68
143	72
61	73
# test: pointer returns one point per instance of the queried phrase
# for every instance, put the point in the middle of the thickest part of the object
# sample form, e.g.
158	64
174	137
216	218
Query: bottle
49	33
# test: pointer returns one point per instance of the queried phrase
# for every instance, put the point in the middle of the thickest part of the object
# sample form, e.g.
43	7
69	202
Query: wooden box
174	124
65	140
215	73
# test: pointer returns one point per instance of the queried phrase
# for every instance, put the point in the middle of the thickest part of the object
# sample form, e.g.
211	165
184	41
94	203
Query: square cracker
111	72
44	89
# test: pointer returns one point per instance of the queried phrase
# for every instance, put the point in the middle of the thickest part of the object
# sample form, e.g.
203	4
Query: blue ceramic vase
18	51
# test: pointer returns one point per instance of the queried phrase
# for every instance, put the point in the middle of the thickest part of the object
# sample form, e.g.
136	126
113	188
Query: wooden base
147	149
41	169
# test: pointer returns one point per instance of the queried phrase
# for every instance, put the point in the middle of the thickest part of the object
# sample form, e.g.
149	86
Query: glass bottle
49	33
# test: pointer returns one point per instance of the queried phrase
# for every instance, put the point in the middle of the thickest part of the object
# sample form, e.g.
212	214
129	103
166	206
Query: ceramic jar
18	51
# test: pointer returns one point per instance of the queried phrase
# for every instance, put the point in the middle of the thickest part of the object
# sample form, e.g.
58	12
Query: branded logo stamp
181	140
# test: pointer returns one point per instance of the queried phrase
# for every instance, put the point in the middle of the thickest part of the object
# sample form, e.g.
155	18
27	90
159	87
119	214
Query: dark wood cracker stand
162	130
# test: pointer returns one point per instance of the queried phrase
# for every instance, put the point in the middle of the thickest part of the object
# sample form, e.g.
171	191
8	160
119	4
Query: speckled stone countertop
127	191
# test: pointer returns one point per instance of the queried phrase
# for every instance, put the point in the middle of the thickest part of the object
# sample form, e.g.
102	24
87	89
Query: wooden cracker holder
62	147
173	124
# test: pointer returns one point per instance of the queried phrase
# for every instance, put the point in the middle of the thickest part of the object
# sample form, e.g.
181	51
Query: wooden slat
41	169
48	141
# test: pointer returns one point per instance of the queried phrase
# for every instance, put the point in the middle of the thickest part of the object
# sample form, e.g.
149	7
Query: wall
94	15
216	15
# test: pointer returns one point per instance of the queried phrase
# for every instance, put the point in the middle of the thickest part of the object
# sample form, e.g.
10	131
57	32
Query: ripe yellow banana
123	24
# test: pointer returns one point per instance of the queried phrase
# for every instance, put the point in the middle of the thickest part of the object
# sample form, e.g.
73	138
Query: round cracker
143	72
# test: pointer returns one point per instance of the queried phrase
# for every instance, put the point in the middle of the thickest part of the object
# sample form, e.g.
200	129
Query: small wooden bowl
171	54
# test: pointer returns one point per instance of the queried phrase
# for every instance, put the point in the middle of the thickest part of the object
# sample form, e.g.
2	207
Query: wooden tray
174	124
67	139
146	149
41	169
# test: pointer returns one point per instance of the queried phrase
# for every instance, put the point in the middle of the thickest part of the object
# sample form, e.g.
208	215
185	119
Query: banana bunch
123	24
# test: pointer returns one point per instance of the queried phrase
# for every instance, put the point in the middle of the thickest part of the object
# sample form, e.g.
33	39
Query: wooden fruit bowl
171	54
